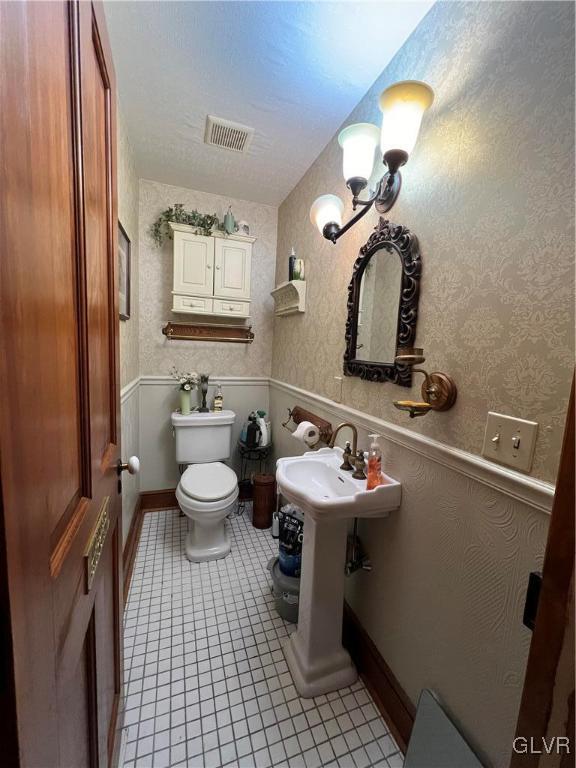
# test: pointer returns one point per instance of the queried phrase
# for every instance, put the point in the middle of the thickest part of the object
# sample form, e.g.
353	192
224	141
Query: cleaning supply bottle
264	428
275	525
375	476
218	398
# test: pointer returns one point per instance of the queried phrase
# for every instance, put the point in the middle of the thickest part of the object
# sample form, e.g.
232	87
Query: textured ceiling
291	70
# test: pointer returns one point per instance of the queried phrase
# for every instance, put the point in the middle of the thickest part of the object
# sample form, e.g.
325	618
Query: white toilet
208	490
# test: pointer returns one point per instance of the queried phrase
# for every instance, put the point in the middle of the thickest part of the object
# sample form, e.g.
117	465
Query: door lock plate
96	541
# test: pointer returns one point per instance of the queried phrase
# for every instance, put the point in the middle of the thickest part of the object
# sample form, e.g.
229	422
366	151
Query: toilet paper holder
298	414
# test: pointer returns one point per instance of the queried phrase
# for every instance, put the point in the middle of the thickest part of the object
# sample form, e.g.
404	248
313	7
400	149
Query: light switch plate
510	441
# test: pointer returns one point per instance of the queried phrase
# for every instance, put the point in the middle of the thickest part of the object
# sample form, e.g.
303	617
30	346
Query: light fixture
402	106
358	143
326	213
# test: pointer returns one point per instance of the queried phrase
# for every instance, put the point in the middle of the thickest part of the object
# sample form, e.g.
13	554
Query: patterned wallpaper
489	191
128	216
157	355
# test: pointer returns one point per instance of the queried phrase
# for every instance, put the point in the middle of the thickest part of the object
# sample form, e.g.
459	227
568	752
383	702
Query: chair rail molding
229	381
529	490
129	389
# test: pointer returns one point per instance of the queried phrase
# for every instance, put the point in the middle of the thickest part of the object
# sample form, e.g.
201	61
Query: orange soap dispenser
375	476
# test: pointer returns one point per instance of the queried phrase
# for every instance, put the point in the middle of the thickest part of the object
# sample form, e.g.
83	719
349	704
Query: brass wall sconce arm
439	391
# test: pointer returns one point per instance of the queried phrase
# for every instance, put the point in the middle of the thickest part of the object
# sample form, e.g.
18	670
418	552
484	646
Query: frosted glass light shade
358	143
326	209
403	106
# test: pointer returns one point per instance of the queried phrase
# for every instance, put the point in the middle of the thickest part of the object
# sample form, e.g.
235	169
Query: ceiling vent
226	134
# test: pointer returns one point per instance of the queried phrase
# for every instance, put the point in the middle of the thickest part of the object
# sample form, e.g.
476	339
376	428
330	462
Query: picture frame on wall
124	246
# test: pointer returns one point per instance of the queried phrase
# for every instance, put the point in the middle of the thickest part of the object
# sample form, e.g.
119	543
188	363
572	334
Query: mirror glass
380	288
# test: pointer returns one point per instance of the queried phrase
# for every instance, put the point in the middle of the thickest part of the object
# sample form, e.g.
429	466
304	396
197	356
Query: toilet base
205	543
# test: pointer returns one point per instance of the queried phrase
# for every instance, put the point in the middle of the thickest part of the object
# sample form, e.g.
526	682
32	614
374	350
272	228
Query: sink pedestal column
314	653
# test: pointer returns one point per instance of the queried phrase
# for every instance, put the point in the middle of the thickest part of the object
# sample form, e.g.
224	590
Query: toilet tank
203	437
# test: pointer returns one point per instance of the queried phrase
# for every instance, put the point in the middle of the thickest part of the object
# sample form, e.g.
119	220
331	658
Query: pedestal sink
329	497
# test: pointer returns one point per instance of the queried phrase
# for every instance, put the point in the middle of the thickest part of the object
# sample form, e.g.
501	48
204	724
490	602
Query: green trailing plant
203	222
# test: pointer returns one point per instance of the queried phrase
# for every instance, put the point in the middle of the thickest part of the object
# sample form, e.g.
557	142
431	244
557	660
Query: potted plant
203	222
186	383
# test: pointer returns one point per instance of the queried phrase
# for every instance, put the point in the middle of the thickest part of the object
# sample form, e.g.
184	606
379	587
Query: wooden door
232	269
193	264
59	410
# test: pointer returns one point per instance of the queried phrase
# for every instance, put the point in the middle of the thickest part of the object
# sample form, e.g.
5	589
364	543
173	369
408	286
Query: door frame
554	627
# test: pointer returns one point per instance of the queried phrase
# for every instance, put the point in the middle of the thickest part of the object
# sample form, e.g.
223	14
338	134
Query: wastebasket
286	591
264	501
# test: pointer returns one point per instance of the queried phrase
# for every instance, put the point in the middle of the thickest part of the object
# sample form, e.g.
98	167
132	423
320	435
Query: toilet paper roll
307	433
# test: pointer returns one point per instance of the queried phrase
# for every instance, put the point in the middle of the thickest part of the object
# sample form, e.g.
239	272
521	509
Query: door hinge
532	598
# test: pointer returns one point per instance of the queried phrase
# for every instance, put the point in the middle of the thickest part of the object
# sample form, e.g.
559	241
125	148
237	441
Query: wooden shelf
239	334
289	298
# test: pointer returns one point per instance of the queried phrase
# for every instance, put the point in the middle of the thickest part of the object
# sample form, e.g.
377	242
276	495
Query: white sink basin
329	497
315	482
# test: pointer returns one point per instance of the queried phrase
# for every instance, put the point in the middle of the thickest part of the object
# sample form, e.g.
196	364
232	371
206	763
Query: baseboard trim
132	539
162	499
390	698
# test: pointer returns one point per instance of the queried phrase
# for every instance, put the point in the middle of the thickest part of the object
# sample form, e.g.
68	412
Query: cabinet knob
208	266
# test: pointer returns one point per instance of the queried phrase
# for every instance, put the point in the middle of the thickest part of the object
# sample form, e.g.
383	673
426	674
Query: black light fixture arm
384	197
333	231
356	200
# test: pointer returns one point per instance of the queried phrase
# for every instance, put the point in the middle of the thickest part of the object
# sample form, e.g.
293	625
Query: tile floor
206	680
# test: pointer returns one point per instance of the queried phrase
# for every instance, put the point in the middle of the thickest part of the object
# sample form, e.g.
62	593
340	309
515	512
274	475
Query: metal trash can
286	591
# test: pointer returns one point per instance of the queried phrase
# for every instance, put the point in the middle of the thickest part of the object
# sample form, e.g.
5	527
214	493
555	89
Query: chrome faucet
354	436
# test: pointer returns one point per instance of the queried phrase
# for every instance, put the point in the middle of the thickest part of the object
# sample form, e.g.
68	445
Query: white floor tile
206	681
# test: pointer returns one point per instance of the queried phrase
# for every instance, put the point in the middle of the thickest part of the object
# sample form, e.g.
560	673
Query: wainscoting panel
159	397
444	601
130	418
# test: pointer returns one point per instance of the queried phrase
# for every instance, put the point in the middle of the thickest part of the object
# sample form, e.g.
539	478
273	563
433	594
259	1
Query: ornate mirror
383	305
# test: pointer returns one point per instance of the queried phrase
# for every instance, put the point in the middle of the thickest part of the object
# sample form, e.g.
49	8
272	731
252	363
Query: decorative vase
185	402
204	389
230	222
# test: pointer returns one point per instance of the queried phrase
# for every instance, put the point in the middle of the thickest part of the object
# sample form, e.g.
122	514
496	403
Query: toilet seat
208	483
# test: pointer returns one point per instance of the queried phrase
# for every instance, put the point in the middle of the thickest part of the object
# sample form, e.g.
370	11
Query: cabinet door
232	273
193	264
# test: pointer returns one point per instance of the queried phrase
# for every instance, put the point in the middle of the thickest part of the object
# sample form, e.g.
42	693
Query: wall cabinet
211	274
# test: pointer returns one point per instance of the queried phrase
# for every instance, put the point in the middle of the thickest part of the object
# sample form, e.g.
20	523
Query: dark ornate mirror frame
400	240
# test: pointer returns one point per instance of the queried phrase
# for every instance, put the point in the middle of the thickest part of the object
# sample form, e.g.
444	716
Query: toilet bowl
207	494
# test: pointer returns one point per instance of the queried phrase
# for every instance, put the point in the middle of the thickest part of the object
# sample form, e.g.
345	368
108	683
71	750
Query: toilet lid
208	482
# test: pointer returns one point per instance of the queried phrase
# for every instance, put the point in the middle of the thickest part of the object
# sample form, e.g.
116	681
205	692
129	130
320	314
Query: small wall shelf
240	334
290	298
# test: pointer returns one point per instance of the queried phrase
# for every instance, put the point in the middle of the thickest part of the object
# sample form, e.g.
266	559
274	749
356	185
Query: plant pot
185	402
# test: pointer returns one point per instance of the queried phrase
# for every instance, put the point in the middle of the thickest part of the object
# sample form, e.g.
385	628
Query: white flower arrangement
186	381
